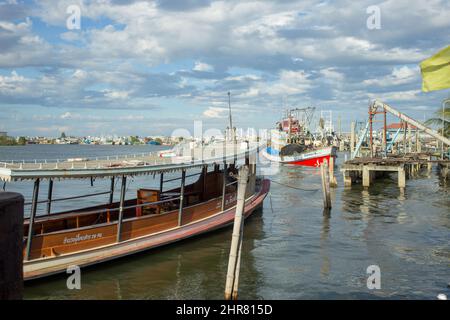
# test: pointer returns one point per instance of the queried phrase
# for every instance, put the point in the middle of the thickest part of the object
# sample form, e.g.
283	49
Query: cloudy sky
149	67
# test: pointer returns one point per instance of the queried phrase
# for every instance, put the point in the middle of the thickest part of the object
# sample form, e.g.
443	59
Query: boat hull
309	159
39	268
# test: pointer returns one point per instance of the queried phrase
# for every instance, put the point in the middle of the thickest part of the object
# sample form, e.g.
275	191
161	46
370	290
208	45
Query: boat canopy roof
126	165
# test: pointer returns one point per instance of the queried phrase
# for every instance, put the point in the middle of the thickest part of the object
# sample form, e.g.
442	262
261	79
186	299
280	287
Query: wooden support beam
418	143
382	168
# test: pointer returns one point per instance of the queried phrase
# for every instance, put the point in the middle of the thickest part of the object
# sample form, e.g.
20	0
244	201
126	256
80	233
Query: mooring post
11	246
34	203
325	185
236	240
180	209
122	201
49	196
333	181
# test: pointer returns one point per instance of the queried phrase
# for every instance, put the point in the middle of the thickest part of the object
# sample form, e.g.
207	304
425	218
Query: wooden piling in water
325	185
366	177
232	281
333	181
11	246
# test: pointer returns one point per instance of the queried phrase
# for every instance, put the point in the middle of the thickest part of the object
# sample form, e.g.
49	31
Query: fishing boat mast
232	130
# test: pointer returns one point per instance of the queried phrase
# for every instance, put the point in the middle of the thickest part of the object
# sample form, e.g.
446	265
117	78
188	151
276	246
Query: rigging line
292	187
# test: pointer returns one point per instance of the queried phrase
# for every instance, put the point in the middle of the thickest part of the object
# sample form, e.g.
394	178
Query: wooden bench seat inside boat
194	193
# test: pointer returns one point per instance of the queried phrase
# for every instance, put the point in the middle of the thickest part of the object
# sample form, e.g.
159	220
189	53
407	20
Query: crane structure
379	107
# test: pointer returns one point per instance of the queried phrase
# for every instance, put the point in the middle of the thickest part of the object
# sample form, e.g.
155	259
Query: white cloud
203	67
332	75
215	112
290	82
409	95
398	76
66	115
116	94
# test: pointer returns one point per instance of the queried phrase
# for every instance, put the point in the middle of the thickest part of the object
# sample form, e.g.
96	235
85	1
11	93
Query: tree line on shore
11	141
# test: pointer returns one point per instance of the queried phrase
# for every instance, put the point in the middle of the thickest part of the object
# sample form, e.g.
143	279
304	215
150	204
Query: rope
292	187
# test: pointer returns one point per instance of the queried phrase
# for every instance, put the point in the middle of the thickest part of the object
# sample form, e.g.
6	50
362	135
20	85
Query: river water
291	249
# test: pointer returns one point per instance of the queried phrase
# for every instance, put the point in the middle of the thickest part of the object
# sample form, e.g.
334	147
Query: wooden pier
404	157
367	169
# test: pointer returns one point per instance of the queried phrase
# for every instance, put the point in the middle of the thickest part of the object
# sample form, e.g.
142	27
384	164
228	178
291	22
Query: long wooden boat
156	217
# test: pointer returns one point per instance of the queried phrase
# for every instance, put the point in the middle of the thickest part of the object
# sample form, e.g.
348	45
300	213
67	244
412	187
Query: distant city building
3	134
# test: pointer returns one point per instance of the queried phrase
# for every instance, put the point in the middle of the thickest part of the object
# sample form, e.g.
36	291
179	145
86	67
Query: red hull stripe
312	162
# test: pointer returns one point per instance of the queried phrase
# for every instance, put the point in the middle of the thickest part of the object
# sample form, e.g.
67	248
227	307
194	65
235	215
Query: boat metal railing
179	178
68	198
208	154
106	210
82	159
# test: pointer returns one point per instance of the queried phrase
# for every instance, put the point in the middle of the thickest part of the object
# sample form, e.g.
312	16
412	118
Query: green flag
436	71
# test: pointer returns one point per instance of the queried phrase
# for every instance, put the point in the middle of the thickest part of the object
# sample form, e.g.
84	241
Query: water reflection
324	237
